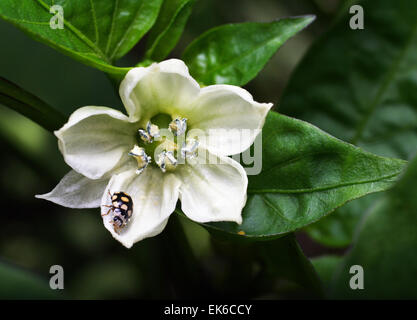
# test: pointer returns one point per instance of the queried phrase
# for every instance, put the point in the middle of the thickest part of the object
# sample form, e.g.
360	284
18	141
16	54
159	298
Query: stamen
178	126
166	149
189	148
145	136
166	161
152	131
171	158
141	157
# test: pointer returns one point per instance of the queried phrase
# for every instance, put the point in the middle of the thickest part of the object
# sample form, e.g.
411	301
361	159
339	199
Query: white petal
213	192
164	87
77	191
95	140
222	111
154	196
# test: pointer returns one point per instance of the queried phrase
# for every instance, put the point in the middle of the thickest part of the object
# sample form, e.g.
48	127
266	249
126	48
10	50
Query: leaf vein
127	32
93	13
79	34
112	27
323	188
275	209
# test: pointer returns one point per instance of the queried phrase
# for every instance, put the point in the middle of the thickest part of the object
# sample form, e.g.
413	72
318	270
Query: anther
145	136
178	126
151	132
189	148
166	161
141	157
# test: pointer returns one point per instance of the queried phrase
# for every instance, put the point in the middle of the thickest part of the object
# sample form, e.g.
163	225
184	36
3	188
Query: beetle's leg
107	211
116	229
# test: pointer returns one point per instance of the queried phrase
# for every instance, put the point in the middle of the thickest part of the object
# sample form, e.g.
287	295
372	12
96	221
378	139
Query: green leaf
284	259
235	53
361	86
385	246
96	32
306	174
30	106
17	283
168	28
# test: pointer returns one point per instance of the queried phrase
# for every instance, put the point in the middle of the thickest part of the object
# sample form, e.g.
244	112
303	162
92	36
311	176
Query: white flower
111	152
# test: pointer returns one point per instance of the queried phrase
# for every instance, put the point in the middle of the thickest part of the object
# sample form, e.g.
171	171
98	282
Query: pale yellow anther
178	126
166	161
189	148
153	130
151	133
141	157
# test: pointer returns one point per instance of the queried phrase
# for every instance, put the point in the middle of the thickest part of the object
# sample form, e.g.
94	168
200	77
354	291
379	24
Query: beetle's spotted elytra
122	208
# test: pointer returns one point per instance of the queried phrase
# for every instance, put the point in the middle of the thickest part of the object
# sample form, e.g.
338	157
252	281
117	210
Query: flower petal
77	191
154	195
213	192
95	140
164	87
222	111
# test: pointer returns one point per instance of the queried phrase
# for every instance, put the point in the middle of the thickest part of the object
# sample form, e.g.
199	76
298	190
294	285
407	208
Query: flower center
163	143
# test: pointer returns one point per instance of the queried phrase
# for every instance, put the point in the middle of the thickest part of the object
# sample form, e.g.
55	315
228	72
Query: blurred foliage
21	284
384	247
325	266
360	86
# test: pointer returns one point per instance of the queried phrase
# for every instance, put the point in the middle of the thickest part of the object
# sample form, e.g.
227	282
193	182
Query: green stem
27	104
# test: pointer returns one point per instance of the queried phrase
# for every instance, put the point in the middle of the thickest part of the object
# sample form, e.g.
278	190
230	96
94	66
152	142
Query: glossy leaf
361	86
306	174
168	28
96	32
235	53
385	246
27	104
336	230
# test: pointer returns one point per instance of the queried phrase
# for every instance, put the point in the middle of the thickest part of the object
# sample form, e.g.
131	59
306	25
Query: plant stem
29	105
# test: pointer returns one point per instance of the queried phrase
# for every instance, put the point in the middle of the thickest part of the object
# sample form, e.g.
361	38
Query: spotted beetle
122	208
